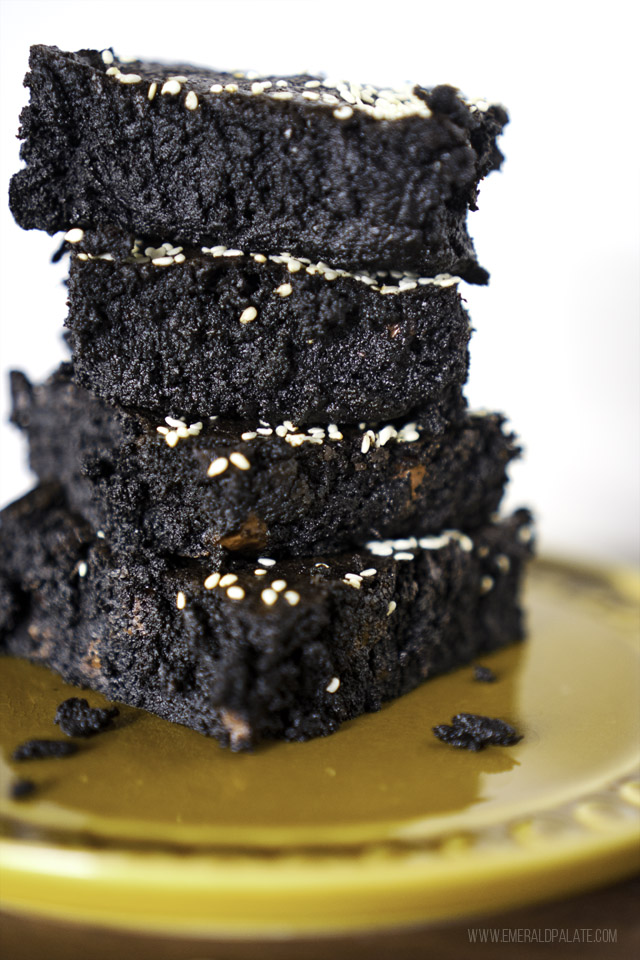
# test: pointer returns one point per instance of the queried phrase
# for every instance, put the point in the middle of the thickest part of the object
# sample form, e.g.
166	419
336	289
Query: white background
557	333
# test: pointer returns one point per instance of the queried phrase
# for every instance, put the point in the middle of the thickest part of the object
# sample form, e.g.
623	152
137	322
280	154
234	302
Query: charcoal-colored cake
265	336
263	650
191	490
340	172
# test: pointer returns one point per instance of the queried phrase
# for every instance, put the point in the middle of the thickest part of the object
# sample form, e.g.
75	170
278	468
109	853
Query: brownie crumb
483	674
77	719
21	789
43	749
470	731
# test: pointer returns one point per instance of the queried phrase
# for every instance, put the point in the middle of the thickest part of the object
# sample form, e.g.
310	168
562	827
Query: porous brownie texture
232	336
288	655
250	488
333	171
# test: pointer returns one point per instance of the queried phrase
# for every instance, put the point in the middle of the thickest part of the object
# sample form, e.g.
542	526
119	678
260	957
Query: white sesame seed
172	87
162	261
380	549
172	422
343	113
292	597
264	431
284	289
434	543
403	556
266	561
293	266
351	581
74	236
503	563
212	581
269	597
287	133
333	685
233	253
392	606
113	72
387	433
129	78
310	84
179	258
107	57
216	88
82	569
257	88
227	580
249	314
259	573
100	534
486	584
281	430
171	438
282	83
370	572
231	87
282	95
218	251
83	256
249	435
240	461
235	593
279	585
311	95
191	100
178	77
259	257
181	601
217	466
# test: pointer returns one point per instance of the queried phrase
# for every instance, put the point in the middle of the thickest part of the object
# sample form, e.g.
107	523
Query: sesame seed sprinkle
107	57
235	593
343	113
403	556
212	581
333	685
240	461
259	573
284	290
266	561
217	466
269	597
371	572
74	236
82	569
191	100
171	87
249	435
249	314
228	579
153	89
486	584
129	78
292	597
503	563
279	585
181	601
392	606
216	88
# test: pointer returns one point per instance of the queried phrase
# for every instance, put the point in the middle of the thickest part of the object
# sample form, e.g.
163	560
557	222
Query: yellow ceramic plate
154	827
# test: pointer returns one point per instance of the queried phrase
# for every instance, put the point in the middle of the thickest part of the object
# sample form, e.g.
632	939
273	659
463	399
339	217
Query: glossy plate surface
152	826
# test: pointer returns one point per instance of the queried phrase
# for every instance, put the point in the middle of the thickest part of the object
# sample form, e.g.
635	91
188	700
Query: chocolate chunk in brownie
277	340
77	719
470	731
44	749
285	649
155	486
339	172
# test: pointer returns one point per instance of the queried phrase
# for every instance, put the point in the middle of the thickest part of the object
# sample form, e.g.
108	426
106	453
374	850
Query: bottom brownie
264	650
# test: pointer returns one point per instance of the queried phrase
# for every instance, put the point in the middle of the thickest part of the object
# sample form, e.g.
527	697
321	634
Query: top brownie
340	172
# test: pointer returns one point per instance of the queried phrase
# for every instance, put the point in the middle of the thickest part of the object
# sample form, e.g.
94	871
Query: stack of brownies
264	505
